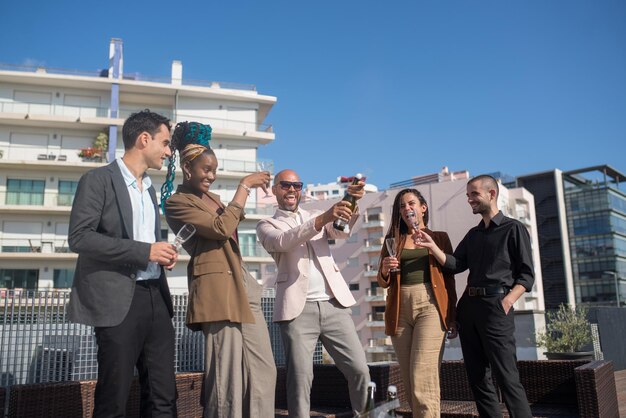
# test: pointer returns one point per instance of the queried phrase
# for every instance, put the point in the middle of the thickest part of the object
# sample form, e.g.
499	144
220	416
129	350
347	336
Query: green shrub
567	330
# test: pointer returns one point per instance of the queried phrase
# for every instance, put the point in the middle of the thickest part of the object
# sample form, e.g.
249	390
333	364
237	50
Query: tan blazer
442	283
286	241
215	274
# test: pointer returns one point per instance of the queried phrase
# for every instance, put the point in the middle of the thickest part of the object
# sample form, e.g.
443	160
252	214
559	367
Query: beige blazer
215	274
286	241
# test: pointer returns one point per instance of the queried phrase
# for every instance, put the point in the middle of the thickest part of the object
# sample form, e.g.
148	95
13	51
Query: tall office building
53	124
581	219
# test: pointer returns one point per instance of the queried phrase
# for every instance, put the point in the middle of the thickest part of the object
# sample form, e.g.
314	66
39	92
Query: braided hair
185	134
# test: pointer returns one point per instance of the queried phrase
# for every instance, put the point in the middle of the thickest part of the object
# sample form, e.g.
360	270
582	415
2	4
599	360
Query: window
331	242
247	244
25	192
19	279
67	190
165	234
63	278
353	287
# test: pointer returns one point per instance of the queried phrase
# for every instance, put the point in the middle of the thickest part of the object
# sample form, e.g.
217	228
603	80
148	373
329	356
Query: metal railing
41	199
127	76
34	245
39	344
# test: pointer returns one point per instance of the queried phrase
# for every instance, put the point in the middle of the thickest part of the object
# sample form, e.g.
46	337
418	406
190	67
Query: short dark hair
490	181
144	121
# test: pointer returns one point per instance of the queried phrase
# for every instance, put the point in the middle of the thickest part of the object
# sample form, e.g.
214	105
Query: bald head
286	175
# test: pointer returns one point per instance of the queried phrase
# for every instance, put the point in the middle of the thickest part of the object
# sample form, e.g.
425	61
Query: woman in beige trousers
421	302
224	299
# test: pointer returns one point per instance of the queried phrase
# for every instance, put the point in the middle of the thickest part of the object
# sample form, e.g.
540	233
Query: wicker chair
76	399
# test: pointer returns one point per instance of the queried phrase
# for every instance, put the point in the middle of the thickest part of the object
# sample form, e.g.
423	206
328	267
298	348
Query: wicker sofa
559	388
554	389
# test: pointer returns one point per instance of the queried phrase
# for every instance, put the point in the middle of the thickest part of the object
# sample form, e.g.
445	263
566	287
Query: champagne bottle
371	402
392	395
340	224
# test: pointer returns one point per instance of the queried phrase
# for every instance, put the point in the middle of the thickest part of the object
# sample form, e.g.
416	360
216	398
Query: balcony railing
36	199
376	294
71	113
376	319
384	343
373	245
127	76
253	250
370	270
34	245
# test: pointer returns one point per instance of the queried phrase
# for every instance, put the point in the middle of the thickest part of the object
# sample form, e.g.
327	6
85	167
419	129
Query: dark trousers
488	343
144	339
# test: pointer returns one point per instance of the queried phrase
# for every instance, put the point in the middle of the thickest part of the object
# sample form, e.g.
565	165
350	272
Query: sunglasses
286	185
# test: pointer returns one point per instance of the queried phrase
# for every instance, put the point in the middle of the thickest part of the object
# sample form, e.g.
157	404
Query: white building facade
49	120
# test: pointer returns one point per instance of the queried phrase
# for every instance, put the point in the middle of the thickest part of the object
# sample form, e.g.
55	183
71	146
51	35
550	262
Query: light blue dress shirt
144	216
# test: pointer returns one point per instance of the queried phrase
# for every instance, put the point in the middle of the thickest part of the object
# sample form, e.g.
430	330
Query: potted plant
567	333
98	150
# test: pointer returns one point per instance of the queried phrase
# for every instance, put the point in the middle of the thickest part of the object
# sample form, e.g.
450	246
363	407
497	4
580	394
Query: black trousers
144	339
488	343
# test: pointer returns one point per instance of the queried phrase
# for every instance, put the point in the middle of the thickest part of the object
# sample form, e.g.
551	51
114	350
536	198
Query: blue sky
391	89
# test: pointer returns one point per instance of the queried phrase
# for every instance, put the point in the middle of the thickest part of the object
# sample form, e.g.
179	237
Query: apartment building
52	126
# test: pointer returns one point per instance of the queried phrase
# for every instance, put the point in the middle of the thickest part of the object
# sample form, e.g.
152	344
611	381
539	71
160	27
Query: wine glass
183	236
391	248
265	166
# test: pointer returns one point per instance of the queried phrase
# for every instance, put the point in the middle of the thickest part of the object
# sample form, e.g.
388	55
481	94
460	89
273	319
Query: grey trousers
240	373
331	323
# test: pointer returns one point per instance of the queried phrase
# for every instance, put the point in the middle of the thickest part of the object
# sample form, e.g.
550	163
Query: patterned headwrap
190	139
190	152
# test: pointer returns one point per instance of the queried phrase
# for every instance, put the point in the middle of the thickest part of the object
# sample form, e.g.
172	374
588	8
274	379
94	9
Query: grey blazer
101	232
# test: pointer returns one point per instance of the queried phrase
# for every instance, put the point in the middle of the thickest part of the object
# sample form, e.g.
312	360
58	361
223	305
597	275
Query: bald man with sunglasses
312	297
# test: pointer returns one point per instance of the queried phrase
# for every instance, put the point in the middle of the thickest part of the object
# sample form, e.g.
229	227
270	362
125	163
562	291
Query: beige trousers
240	373
418	345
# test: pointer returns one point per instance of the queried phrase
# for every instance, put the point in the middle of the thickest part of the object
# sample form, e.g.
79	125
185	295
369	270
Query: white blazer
286	241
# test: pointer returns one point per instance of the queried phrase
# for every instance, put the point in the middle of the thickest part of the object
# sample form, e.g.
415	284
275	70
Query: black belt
487	291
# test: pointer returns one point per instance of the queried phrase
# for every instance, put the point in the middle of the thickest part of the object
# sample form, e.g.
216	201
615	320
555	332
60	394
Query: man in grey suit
119	285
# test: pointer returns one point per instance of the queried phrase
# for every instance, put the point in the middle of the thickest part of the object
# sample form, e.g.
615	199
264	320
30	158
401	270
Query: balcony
373	245
376	319
37	203
376	294
379	345
35	249
97	117
374	222
255	253
370	271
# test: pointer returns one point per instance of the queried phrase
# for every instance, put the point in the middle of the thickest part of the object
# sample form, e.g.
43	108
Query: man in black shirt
498	255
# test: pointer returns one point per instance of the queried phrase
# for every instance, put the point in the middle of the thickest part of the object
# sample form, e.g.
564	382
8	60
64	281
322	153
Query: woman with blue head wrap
224	299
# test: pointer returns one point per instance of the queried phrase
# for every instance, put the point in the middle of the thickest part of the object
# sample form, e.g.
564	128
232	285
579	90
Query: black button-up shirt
499	255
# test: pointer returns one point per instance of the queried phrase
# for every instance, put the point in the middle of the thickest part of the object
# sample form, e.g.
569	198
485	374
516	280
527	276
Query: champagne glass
183	236
391	248
265	166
